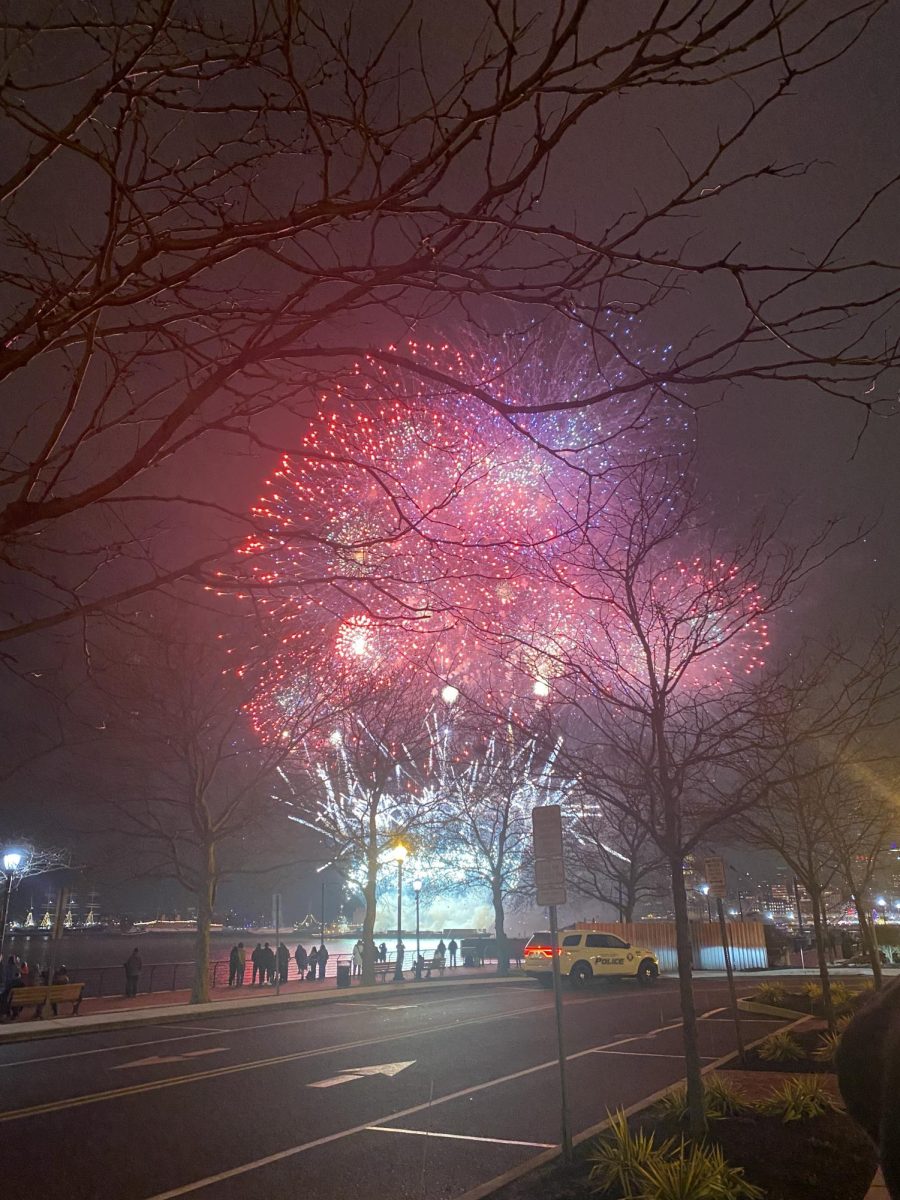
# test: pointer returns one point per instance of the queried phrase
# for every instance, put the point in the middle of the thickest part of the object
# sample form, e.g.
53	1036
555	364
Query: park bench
385	970
438	963
42	994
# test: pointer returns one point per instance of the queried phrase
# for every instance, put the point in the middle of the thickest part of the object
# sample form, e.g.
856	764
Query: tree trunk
499	927
206	899
815	895
369	890
869	941
692	1065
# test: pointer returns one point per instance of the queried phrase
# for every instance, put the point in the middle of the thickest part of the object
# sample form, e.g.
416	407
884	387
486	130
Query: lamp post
417	888
703	889
400	853
12	860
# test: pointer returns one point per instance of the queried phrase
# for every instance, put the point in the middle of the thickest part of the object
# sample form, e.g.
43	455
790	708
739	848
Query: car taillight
539	952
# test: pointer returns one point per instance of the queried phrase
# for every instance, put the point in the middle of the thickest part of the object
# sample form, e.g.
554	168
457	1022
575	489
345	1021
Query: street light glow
399	853
541	688
12	860
449	694
417	886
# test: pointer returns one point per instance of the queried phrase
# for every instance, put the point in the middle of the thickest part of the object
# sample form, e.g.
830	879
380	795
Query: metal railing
179	976
173	977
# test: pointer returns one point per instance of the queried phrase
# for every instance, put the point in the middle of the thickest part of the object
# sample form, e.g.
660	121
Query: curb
548	1156
769	1010
13	1034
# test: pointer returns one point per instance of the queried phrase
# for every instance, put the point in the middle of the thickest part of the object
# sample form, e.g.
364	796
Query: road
421	1095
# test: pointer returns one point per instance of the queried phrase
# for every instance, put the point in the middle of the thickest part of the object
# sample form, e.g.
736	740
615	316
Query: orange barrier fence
746	941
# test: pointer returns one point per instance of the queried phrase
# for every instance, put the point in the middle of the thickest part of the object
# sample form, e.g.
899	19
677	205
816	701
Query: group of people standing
269	965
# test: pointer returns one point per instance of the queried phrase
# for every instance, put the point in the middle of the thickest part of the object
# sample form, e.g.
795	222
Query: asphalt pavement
399	1095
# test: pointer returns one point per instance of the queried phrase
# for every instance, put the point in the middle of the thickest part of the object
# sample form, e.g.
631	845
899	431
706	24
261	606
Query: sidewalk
109	1012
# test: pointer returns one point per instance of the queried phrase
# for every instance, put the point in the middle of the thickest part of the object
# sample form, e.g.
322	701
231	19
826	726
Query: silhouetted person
868	1071
256	962
284	959
267	964
313	960
452	949
301	958
382	952
133	965
233	961
358	957
323	960
242	964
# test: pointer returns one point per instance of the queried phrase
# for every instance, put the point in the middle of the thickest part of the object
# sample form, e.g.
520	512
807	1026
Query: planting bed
826	1157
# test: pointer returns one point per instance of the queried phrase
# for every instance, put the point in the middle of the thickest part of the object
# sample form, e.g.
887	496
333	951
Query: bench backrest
45	992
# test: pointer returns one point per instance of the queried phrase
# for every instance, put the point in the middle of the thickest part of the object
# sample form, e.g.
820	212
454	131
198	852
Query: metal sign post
714	870
276	921
723	928
550	879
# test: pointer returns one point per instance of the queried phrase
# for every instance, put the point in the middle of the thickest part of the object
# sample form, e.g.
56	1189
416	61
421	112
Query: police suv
584	955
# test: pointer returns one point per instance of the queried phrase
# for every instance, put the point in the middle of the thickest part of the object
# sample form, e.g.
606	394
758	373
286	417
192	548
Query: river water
168	958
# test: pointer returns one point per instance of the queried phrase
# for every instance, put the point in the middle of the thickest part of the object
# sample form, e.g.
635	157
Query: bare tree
654	676
860	828
493	780
609	856
370	782
206	212
793	818
188	789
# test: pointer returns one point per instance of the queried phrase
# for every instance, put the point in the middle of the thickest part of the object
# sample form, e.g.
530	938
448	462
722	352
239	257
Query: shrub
617	1157
780	1047
720	1099
770	993
798	1099
813	992
693	1172
827	1047
723	1099
841	996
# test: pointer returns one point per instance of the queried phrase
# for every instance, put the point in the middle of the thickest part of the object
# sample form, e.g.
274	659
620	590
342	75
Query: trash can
343	974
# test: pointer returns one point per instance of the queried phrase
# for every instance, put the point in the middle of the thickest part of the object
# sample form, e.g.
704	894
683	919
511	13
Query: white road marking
387	1069
458	1137
292	1151
200	1028
651	1054
157	1059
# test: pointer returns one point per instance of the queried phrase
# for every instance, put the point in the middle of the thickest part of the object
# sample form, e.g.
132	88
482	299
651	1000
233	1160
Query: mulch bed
810	1040
827	1158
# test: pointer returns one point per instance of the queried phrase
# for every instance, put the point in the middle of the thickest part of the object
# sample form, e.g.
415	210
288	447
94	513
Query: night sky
759	445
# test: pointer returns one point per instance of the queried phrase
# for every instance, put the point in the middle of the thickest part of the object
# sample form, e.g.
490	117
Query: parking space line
458	1137
652	1054
49	1106
428	1105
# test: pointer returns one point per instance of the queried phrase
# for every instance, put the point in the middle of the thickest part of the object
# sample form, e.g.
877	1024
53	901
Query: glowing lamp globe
399	853
12	860
541	688
449	694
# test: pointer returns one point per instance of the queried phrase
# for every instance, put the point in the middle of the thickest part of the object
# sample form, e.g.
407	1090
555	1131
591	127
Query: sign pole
276	913
557	1004
723	928
550	884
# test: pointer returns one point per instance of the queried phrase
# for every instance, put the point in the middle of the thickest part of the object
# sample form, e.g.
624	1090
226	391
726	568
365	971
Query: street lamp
12	861
417	888
703	889
400	853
